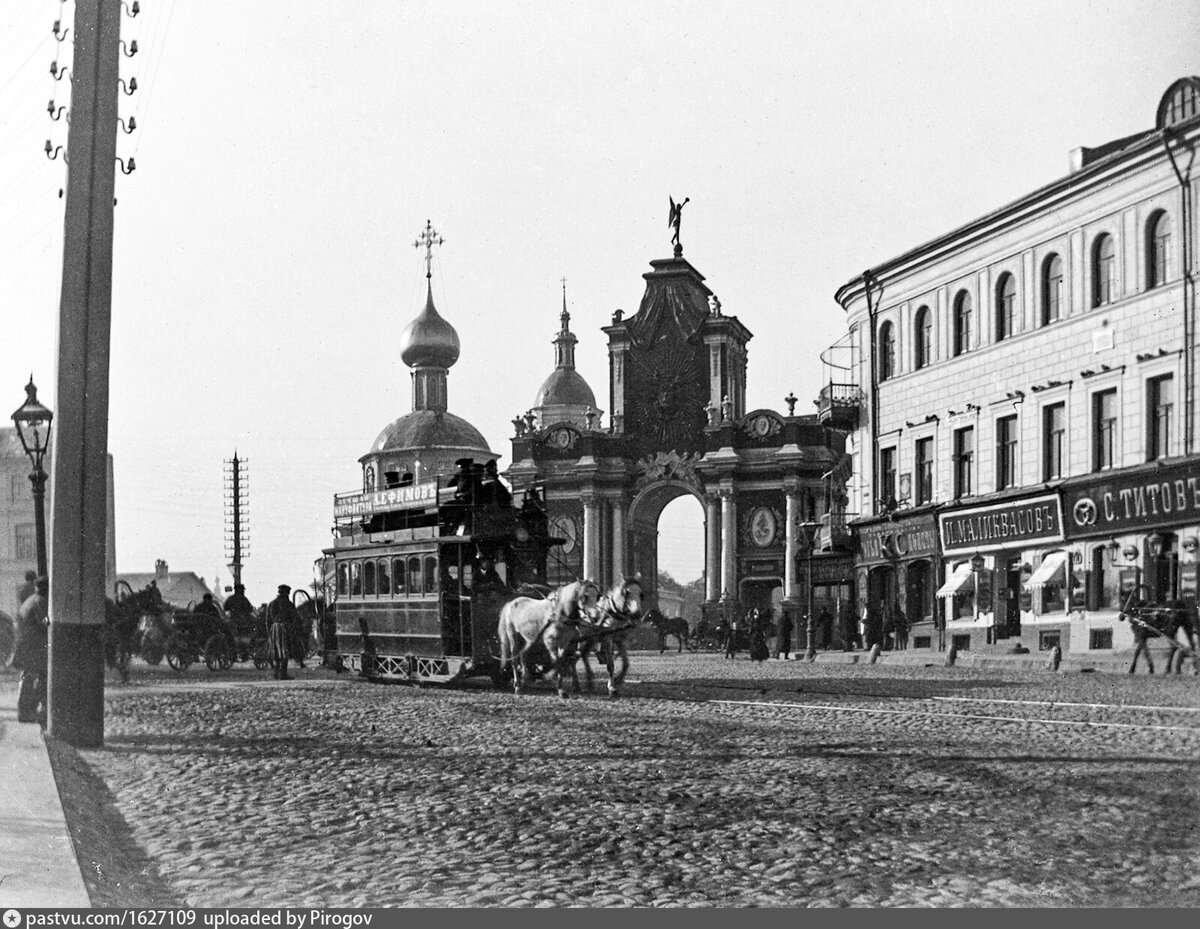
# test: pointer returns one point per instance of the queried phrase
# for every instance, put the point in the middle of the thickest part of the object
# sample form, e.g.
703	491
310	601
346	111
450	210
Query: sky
289	153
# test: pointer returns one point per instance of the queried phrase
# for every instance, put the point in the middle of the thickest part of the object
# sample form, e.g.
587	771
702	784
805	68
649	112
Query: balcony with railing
838	405
834	534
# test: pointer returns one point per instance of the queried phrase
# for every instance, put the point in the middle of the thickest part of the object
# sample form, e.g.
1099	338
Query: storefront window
920	592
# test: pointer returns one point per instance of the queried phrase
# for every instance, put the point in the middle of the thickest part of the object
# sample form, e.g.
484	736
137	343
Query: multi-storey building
1025	453
18	547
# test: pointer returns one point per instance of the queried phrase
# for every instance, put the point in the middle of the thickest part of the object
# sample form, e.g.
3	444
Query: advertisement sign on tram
376	501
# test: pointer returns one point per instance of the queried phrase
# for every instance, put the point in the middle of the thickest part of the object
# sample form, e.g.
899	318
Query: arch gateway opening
771	485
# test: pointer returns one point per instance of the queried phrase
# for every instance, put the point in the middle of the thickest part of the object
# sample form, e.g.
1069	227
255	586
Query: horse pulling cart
215	639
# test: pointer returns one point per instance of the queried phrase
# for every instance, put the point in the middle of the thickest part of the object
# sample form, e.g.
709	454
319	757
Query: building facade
18	542
1025	454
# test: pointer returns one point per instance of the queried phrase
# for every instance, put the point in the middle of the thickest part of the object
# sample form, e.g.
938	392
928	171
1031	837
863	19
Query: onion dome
429	341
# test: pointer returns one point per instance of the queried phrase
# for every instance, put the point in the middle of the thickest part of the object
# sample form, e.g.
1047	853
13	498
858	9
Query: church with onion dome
430	439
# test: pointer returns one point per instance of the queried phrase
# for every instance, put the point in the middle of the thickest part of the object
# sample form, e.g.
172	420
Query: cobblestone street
710	783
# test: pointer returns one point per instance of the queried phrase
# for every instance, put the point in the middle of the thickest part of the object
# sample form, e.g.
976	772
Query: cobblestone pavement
870	789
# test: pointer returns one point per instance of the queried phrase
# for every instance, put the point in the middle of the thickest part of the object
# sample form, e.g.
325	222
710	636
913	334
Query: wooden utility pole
79	473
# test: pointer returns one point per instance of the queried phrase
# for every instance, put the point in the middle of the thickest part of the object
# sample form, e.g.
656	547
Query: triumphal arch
770	483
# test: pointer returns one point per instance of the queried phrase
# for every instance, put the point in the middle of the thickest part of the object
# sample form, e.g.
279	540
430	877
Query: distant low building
178	588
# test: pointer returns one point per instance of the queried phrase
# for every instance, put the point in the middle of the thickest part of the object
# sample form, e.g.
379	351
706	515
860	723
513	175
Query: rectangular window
1160	408
887	477
964	461
924	468
1100	638
1054	435
25	548
1006	452
1104	429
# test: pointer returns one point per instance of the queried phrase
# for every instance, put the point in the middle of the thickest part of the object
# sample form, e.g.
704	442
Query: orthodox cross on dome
429	238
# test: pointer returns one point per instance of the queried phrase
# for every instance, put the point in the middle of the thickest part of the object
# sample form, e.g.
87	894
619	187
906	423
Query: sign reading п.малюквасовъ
1003	525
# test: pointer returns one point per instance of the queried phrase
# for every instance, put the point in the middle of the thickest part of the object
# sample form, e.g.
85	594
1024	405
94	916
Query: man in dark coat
784	649
284	642
208	606
30	654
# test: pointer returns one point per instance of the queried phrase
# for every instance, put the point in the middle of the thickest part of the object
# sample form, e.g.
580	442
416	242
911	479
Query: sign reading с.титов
1147	497
1002	525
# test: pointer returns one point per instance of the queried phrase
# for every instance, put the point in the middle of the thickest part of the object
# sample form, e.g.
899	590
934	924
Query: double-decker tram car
422	569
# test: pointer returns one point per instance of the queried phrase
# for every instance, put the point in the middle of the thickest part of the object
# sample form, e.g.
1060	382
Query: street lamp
977	565
808	531
33	419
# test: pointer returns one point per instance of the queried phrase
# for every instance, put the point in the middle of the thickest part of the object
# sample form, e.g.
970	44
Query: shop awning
956	581
1050	571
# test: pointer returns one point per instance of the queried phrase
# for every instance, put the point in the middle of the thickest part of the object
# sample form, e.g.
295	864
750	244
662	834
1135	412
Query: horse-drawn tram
421	571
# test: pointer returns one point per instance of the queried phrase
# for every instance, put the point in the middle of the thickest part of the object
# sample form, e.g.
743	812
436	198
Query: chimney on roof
1079	158
160	570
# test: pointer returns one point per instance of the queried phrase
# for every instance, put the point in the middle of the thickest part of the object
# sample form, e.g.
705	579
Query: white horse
618	611
554	622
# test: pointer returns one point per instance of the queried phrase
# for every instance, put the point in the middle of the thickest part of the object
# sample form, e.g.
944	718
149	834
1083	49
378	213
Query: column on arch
728	544
618	540
712	549
791	542
591	537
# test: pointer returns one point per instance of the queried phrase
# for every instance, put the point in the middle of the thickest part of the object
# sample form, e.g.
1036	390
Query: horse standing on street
618	611
553	622
667	626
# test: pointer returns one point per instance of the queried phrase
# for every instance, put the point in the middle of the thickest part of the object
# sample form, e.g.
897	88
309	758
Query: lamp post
808	531
977	565
33	420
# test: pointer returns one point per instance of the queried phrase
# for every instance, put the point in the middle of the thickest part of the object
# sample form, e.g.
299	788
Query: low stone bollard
873	654
951	656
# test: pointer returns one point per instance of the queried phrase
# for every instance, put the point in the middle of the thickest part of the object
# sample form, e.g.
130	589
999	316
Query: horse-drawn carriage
216	639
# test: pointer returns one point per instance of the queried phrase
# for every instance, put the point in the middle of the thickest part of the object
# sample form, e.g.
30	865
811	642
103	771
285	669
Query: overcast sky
288	154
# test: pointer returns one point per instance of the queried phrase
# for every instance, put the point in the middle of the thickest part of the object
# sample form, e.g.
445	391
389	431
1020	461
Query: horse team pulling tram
421	571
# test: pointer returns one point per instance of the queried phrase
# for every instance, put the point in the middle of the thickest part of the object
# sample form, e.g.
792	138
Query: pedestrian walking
1141	638
825	628
758	637
900	626
785	635
283	623
30	653
850	633
872	627
27	589
731	642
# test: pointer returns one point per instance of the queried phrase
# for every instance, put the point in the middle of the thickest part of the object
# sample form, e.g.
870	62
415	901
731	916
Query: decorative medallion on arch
667	466
560	438
762	425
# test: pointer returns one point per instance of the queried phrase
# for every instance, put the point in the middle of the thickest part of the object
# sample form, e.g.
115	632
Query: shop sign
1003	525
901	539
381	501
1134	501
827	571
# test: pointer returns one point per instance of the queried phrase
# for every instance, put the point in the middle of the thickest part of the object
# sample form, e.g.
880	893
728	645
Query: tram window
385	580
343	580
431	578
414	576
355	579
398	574
369	579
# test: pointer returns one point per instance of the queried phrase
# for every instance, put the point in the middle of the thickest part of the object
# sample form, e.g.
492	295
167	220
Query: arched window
431	575
962	323
923	338
369	579
887	351
414	576
343	581
1006	307
1052	289
355	579
1104	270
1158	249
385	578
368	478
398	574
